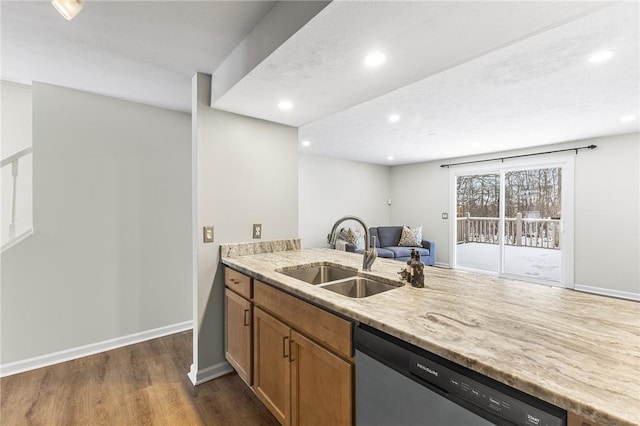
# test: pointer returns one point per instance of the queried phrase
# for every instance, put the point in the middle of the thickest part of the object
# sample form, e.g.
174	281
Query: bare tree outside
532	208
479	195
533	193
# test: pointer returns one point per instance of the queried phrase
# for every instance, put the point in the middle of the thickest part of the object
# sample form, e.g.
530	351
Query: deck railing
541	233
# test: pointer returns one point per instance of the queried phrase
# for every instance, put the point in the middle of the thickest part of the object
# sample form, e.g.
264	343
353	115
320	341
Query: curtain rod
519	156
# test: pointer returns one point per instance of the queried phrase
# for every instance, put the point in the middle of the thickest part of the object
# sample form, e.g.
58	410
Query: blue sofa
387	239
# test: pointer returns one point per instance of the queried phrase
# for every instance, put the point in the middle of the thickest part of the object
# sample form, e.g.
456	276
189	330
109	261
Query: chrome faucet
369	256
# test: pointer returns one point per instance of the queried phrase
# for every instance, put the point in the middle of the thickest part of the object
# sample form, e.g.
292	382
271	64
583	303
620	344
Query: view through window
521	237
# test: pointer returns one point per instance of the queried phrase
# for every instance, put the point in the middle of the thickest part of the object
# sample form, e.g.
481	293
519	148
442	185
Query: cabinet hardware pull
246	322
292	345
285	346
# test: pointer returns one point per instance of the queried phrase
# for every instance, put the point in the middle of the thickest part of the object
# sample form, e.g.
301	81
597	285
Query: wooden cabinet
238	331
238	283
304	379
238	335
321	385
322	326
297	358
272	370
576	420
300	382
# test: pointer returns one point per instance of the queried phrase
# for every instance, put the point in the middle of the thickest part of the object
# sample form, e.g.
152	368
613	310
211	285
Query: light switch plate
257	231
207	234
445	215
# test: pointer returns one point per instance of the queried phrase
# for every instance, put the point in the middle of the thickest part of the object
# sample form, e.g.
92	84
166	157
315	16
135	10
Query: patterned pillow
411	237
356	237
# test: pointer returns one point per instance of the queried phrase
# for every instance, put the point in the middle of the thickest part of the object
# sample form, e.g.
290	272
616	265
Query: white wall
15	113
332	188
111	252
424	206
246	172
607	209
15	110
607	214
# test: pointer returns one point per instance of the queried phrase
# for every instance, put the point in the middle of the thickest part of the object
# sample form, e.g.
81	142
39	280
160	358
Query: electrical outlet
257	231
207	234
445	215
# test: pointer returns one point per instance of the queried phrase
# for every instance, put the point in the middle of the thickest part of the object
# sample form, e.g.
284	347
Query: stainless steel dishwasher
398	384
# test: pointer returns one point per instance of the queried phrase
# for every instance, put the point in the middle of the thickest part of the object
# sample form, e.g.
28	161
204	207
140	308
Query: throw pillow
356	237
411	237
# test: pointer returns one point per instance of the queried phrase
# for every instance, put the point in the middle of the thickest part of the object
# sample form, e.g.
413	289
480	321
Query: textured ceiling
537	91
465	77
320	68
144	51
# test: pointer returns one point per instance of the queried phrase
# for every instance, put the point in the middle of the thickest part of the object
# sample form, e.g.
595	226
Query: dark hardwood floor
142	384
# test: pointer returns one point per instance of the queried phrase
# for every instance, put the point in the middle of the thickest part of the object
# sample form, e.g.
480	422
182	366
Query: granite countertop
578	351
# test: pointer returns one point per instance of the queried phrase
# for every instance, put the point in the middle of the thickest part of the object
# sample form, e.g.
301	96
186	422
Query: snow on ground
543	264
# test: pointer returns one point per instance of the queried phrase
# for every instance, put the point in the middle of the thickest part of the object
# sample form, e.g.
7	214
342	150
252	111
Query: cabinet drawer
576	420
238	282
325	328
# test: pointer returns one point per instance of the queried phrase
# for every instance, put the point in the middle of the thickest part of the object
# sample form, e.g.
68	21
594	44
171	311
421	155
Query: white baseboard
209	373
607	292
442	265
94	348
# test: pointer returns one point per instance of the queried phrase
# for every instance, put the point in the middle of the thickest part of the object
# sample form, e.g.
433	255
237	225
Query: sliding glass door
532	223
515	220
477	231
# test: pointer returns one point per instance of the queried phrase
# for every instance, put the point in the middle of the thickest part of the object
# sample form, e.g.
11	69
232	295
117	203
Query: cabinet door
238	334
271	380
321	385
576	420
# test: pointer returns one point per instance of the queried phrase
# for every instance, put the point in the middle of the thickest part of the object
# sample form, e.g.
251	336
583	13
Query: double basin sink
338	279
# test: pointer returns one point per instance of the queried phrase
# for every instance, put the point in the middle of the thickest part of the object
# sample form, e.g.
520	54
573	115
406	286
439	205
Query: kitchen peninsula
578	351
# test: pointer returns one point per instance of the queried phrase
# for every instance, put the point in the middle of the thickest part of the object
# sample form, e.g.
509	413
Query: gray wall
110	255
246	172
332	188
607	210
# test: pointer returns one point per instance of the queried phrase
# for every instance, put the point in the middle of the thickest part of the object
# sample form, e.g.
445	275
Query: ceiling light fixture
600	56
306	143
627	118
68	8
285	105
375	59
394	118
390	158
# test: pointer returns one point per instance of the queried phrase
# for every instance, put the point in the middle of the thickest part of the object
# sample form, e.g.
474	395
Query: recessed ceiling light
394	117
600	56
475	144
628	117
285	105
390	158
375	59
306	143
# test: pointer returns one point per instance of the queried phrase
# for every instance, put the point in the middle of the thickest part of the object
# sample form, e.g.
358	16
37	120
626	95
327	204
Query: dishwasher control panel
514	410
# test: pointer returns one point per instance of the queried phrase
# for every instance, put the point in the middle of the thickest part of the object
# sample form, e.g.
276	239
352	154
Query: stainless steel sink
319	273
359	287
